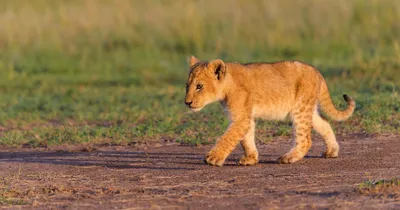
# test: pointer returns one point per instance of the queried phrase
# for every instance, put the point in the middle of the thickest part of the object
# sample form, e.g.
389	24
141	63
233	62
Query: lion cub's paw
215	158
248	160
289	158
330	154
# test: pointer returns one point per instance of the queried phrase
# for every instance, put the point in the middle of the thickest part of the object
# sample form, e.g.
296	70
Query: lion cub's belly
270	112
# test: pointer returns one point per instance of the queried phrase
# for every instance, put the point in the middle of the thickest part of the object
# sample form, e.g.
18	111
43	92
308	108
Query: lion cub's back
275	86
285	70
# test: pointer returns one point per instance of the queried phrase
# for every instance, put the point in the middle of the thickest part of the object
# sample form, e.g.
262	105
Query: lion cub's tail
330	109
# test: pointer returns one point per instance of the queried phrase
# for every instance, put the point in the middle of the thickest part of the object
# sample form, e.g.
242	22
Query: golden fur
269	91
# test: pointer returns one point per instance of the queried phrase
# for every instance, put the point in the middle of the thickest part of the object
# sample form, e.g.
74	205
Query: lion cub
269	91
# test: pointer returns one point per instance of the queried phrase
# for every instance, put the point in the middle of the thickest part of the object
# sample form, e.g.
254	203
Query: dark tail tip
347	98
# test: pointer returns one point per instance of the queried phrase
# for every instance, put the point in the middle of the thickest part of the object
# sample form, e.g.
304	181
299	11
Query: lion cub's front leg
227	143
249	146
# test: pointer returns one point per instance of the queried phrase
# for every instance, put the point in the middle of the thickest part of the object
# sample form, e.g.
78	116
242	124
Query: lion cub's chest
270	111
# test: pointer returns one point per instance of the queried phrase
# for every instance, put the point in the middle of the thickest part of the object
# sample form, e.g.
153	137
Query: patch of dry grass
200	25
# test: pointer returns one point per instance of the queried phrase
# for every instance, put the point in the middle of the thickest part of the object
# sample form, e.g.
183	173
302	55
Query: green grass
380	187
11	201
11	197
114	71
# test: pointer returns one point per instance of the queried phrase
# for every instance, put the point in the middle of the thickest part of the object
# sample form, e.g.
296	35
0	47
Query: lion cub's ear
218	66
193	60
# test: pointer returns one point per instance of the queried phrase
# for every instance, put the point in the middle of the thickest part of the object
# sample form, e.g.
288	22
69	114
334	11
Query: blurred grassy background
75	71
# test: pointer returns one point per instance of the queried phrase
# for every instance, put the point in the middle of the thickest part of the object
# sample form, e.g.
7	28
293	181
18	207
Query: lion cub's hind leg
249	146
325	130
302	125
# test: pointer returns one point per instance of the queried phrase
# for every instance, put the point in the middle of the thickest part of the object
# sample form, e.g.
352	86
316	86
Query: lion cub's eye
199	87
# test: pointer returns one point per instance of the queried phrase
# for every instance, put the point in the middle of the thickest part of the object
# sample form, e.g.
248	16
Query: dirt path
174	176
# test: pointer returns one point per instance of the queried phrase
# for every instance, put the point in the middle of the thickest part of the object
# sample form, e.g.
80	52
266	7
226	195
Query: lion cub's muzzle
188	103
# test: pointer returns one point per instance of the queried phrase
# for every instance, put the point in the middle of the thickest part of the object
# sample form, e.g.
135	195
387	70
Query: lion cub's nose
188	103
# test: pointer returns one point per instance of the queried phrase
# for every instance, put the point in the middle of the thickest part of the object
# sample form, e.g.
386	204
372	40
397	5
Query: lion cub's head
205	83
